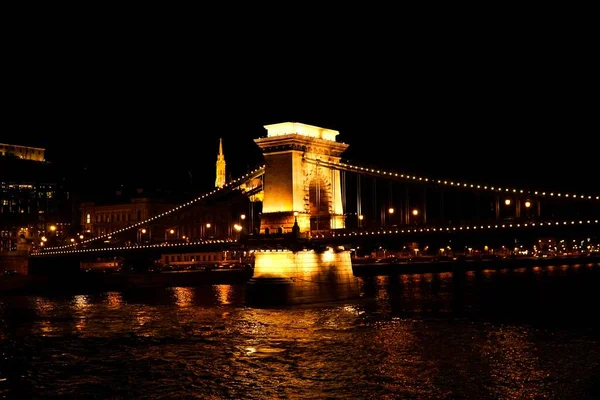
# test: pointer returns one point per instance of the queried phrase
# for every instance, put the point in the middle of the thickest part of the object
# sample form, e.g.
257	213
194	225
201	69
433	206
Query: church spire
220	181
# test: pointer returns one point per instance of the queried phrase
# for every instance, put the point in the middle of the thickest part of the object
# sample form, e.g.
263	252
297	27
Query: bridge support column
497	207
308	276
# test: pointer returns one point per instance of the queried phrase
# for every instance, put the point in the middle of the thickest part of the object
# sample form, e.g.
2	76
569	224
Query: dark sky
494	113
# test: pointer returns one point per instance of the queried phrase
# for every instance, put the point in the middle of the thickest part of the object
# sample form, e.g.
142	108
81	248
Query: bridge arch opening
319	204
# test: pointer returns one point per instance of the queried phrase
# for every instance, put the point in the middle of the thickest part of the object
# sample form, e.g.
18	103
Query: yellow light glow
208	225
287	128
328	256
361	217
527	204
172	231
391	210
144	230
415	212
52	228
243	216
184	297
224	293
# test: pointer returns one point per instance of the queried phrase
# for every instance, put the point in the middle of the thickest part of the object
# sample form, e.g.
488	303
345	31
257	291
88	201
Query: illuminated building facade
203	221
100	219
220	180
33	198
22	152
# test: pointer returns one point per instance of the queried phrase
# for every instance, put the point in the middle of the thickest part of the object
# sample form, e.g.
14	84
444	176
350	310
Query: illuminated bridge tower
296	183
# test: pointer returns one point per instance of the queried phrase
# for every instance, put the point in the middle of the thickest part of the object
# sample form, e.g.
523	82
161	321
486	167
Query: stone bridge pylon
296	186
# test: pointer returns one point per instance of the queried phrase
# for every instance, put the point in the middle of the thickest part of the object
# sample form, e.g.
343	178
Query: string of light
334	234
446	183
134	247
478	227
229	185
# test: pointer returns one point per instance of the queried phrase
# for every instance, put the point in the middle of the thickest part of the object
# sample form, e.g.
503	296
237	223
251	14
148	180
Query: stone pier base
286	277
14	261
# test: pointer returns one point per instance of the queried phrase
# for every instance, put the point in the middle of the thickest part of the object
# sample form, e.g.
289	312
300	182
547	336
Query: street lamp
415	214
242	220
237	228
360	218
527	204
52	228
140	233
168	231
507	202
391	213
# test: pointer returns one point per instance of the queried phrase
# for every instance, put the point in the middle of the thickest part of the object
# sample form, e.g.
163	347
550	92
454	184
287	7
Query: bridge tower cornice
299	142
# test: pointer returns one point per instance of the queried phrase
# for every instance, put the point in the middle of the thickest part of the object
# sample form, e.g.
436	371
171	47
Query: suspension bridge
305	191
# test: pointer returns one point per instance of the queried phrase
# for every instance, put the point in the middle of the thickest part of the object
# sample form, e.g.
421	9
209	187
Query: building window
88	219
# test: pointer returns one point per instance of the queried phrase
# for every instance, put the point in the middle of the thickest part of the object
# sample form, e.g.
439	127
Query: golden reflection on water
445	275
114	299
224	293
44	306
47	328
184	296
79	304
141	318
401	359
513	364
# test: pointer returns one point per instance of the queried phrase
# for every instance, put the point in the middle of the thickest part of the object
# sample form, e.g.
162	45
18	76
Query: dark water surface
512	334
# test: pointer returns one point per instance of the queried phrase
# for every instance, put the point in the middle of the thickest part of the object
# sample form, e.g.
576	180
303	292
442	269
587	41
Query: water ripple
428	337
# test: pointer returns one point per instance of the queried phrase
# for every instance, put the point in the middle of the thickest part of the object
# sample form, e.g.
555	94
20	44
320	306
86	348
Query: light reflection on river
509	334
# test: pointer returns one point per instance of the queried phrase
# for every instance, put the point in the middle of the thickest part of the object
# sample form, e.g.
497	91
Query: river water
528	333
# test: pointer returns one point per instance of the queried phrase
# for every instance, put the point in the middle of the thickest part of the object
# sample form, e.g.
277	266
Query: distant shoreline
85	282
379	269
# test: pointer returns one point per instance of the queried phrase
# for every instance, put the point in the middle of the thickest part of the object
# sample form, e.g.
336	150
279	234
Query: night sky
522	117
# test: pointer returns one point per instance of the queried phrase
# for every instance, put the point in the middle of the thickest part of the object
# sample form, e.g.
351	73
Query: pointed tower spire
220	181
